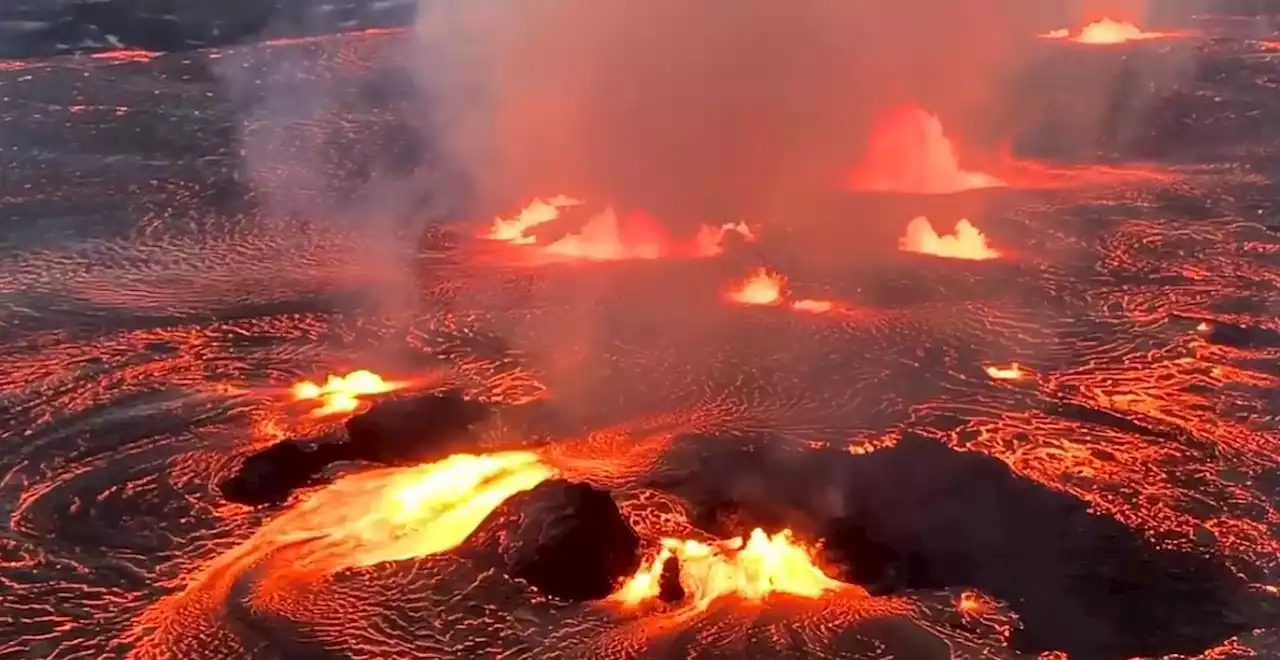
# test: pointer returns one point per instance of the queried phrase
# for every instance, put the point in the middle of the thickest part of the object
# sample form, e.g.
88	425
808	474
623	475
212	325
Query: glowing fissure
965	243
751	569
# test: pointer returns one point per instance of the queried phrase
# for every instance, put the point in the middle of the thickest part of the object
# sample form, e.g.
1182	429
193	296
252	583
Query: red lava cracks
776	450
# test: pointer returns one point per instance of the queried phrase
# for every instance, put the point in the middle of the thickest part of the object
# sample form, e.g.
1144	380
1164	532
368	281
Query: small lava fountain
909	152
751	569
965	243
1106	32
605	236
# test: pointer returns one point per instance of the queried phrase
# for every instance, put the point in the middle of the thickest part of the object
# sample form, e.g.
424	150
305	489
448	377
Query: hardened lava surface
158	295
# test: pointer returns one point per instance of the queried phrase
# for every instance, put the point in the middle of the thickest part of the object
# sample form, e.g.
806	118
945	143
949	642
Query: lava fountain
341	394
908	152
751	569
762	287
1106	32
606	235
966	243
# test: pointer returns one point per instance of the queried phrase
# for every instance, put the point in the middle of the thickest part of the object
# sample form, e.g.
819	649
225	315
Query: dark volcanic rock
415	430
396	432
571	541
921	515
270	476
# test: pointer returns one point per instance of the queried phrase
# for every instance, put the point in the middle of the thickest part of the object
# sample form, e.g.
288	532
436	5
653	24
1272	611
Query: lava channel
1106	32
764	287
606	235
750	569
908	152
965	243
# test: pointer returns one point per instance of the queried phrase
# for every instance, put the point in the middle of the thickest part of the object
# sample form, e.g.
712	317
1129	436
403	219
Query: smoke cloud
669	103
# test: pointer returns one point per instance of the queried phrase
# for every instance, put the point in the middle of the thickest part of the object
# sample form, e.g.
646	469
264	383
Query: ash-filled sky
670	103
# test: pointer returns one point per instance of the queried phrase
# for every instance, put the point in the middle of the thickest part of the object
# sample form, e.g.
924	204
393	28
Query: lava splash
750	569
1105	32
764	287
908	152
965	243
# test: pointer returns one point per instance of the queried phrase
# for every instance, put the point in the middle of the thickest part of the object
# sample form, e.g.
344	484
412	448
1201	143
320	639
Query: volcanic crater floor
151	327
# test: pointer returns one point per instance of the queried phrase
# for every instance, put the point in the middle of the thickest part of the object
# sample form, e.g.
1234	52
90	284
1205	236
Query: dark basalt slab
921	515
397	432
415	430
570	541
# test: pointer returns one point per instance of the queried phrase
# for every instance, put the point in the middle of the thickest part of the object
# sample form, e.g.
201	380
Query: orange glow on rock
341	394
750	569
908	152
965	243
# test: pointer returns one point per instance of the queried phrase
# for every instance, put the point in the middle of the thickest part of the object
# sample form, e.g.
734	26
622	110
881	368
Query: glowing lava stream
966	243
765	287
341	394
751	569
606	236
908	152
1106	32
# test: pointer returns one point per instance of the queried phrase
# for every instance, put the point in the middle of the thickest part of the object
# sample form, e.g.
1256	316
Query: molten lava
762	287
966	243
606	236
394	514
751	569
908	152
341	394
813	306
1106	32
1011	372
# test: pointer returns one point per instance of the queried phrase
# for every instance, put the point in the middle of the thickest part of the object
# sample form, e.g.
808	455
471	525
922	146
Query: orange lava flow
751	569
341	394
606	236
1011	372
396	513
125	55
359	520
966	243
908	152
763	287
1105	32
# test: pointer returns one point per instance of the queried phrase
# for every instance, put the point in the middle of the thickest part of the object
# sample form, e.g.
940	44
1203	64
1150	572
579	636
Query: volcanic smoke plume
700	107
